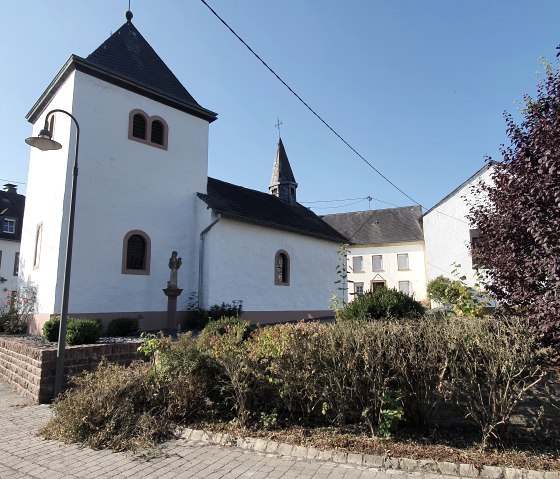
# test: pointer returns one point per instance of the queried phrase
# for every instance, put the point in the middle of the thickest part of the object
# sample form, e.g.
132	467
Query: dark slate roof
12	206
127	60
462	185
260	208
127	54
391	225
281	171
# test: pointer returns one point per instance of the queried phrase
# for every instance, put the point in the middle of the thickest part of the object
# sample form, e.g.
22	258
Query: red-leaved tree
518	215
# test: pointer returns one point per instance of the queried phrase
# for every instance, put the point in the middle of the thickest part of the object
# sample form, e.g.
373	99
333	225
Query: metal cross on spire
278	124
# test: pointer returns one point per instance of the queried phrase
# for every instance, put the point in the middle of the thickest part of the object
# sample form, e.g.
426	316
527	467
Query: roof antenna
369	198
128	13
277	125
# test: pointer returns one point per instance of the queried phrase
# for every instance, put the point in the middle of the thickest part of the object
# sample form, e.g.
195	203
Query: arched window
157	132
150	130
136	253
282	269
139	126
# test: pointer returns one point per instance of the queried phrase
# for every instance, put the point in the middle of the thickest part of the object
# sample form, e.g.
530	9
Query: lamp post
44	142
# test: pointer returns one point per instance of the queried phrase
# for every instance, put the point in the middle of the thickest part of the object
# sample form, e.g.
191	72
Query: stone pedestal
172	294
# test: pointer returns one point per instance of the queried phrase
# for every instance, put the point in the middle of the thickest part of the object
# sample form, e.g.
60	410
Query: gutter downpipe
201	258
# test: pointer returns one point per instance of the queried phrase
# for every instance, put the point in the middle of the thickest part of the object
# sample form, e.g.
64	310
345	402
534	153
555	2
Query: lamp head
43	141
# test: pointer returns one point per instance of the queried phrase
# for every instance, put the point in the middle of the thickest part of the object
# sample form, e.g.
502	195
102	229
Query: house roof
391	225
127	60
281	171
487	166
12	206
260	208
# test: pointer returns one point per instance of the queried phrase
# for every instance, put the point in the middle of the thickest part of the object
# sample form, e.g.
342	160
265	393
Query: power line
320	118
307	105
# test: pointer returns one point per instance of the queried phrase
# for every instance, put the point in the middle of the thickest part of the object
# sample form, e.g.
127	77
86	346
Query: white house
12	206
449	235
386	249
143	192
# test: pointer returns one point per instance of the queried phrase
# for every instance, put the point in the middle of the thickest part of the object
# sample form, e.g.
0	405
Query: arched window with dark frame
150	130
282	268
139	126
136	253
157	132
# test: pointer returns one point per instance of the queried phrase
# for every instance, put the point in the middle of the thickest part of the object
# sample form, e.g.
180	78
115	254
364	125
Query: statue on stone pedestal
174	265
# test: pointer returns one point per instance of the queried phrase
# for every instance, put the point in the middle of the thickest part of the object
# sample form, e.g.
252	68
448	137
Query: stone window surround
149	121
277	282
147	257
38	244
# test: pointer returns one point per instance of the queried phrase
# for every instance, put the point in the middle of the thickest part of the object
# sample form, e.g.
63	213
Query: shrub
382	303
51	329
122	408
225	342
202	316
122	327
437	289
82	331
78	331
493	363
11	323
219	327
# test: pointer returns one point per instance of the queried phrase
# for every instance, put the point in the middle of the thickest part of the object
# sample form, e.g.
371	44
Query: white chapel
143	191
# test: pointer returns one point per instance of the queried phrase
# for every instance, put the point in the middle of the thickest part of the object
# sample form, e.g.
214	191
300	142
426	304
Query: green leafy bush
202	316
82	331
123	327
78	331
437	289
11	323
219	327
51	329
382	303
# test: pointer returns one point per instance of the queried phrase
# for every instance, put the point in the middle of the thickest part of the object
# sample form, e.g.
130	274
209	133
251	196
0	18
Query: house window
474	235
282	269
377	262
9	226
358	289
38	242
150	130
402	261
375	284
404	287
16	264
357	264
136	253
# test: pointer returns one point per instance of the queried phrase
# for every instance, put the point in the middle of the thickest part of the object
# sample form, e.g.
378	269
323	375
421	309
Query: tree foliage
518	215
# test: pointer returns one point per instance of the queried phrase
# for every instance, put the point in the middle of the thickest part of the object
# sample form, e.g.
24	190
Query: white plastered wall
125	185
240	266
447	234
8	281
416	274
47	192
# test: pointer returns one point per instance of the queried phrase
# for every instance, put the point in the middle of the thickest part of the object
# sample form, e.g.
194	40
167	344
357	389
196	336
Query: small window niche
282	269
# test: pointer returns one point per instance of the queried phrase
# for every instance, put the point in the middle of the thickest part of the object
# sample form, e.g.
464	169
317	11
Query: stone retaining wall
30	369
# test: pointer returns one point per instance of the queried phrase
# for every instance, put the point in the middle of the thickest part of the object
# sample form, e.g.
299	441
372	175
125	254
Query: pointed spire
283	183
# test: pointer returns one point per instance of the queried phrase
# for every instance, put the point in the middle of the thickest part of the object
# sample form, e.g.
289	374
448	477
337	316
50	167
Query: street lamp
44	142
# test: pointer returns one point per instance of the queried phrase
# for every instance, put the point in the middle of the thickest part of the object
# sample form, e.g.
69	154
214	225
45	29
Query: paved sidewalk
24	455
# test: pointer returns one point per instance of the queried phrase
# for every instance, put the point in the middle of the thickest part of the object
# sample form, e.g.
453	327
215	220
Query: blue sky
418	87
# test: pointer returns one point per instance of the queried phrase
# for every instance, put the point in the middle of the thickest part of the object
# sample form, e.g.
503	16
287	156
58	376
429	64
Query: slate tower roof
127	60
283	183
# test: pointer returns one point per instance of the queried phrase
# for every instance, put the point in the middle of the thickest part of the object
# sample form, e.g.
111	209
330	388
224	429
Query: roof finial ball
128	15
